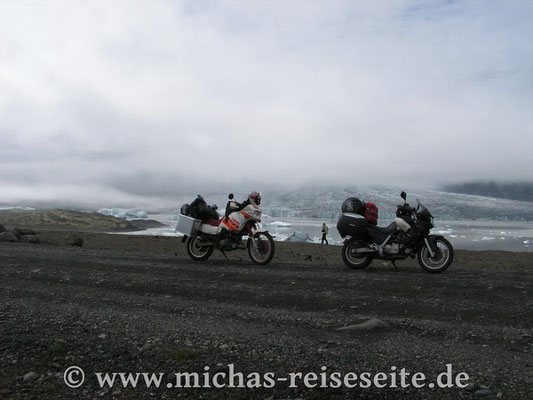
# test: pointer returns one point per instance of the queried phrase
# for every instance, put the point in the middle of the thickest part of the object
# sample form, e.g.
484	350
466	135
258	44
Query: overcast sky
107	100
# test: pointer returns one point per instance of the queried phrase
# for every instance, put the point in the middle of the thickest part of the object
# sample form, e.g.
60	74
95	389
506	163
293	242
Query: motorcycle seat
213	222
386	230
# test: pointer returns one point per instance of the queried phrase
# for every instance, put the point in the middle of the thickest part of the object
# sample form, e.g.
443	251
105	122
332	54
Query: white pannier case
187	225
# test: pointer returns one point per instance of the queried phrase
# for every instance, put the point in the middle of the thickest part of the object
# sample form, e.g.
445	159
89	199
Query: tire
441	261
266	248
198	253
355	262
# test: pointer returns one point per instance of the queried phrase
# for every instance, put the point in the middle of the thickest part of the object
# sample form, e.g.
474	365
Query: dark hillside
64	219
514	191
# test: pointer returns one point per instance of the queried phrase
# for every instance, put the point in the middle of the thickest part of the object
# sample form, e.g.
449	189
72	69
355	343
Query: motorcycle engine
230	243
393	248
225	244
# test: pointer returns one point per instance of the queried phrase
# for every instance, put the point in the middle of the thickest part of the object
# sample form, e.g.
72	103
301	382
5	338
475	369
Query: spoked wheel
196	251
352	259
262	251
442	260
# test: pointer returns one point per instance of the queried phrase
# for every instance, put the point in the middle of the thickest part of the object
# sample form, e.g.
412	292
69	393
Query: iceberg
279	237
124	213
299	237
280	224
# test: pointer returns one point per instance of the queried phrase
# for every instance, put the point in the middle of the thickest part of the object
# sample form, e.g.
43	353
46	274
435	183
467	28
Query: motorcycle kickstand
394	265
224	254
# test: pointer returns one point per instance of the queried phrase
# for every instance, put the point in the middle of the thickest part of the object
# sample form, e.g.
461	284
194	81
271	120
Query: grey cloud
156	99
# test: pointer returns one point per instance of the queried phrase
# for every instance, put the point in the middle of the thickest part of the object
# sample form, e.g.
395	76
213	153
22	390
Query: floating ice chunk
528	241
280	224
125	213
299	237
174	234
444	232
279	237
488	238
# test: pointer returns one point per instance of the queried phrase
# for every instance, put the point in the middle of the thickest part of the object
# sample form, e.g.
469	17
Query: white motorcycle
228	233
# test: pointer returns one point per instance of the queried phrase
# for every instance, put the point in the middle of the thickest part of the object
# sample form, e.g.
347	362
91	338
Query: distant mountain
514	191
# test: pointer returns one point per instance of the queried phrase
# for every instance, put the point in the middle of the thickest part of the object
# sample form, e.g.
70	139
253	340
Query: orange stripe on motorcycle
231	224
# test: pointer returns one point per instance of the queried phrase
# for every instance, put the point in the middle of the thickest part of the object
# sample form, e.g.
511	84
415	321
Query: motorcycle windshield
423	211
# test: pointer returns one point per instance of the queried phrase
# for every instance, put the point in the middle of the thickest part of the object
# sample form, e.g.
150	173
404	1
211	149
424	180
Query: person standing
325	231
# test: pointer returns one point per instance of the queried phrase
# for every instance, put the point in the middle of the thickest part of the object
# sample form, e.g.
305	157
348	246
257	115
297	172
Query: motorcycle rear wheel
442	260
197	252
265	248
352	261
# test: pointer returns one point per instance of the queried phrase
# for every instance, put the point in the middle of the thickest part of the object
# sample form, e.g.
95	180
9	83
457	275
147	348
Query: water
466	235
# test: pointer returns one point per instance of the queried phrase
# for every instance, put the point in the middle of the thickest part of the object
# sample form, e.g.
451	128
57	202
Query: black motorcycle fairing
379	234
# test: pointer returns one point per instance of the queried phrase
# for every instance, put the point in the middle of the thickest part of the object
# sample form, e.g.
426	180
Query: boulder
370	324
30	376
29	239
7	237
74	240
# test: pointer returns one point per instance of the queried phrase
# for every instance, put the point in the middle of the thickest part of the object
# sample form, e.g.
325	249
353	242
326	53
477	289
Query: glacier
465	219
325	203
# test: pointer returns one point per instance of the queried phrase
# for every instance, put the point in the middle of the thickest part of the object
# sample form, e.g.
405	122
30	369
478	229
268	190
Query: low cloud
107	102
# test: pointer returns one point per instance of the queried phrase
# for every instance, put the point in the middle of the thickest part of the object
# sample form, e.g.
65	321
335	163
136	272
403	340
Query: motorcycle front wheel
354	260
196	251
262	252
442	260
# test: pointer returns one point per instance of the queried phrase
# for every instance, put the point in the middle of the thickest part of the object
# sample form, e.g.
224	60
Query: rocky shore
119	303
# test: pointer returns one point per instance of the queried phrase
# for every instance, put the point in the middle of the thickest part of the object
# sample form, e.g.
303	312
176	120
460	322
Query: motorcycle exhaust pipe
365	250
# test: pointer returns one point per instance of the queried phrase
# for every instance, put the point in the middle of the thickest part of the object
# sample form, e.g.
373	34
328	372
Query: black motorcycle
407	236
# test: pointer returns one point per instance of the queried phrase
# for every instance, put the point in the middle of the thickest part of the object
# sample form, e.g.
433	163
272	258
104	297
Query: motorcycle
227	233
407	236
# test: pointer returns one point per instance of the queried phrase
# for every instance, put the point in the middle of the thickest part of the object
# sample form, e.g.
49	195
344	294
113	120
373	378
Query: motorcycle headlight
431	220
257	214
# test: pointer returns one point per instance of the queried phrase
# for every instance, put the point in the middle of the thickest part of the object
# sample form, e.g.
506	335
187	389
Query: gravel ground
139	304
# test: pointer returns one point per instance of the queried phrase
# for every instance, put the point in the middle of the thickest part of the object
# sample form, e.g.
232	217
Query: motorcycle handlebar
407	207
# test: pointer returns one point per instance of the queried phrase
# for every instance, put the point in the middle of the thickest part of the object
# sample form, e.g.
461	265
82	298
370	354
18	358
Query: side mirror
403	195
230	196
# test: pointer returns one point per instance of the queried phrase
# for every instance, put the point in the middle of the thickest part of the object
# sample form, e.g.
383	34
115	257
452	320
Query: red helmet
255	197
